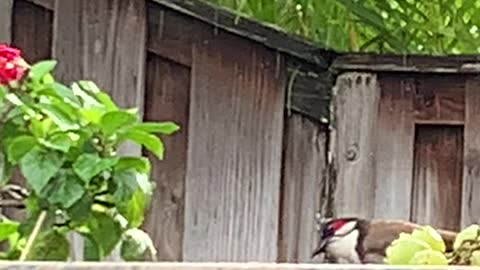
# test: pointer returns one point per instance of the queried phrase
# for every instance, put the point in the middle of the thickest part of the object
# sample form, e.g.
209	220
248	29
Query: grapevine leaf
112	121
151	142
65	189
39	166
104	231
166	128
140	164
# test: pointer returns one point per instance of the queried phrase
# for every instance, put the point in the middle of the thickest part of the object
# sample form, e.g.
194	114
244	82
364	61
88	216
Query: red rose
12	65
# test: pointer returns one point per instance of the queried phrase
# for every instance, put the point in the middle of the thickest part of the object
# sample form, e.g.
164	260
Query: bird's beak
322	244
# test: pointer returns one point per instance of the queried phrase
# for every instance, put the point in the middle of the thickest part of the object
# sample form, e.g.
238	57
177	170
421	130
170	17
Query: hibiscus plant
63	141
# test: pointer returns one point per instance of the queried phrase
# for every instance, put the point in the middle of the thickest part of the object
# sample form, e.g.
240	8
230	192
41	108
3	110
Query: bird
354	240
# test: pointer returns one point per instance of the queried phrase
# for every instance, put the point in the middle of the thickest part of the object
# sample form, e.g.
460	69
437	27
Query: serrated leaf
50	245
134	245
65	189
166	128
39	166
20	146
114	120
89	165
80	211
140	164
40	69
151	142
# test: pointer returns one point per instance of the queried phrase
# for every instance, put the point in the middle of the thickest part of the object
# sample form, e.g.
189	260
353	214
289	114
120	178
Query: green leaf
134	209
151	142
91	250
66	93
20	146
39	166
429	257
134	245
58	116
104	231
89	165
58	141
472	232
80	211
7	228
114	120
50	245
40	69
106	101
140	164
167	128
126	184
65	189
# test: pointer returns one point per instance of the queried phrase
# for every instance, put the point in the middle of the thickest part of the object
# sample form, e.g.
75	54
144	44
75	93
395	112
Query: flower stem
31	239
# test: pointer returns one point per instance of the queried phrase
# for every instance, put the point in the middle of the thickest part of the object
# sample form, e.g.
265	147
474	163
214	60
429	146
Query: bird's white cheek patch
344	247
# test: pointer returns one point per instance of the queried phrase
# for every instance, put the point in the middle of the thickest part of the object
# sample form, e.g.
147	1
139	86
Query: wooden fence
216	266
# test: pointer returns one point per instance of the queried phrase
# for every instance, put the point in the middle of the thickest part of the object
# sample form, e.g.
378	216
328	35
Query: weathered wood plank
32	30
471	170
167	98
219	266
48	4
6	10
304	164
439	99
437	188
234	153
93	41
394	149
407	63
355	107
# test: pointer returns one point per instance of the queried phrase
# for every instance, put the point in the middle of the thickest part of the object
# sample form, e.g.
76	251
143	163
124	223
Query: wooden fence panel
167	98
394	148
355	101
103	41
234	153
6	21
471	151
305	160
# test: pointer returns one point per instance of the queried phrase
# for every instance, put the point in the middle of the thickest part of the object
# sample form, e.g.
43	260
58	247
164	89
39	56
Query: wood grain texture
32	30
437	188
355	101
167	98
304	164
471	170
6	21
234	153
103	41
439	99
394	148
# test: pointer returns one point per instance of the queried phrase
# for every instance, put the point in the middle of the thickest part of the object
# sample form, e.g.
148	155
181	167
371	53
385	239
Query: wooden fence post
6	9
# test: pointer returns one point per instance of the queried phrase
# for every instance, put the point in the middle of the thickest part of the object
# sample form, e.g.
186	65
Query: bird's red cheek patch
338	224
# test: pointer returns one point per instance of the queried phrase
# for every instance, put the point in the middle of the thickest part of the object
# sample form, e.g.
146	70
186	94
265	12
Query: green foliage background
385	26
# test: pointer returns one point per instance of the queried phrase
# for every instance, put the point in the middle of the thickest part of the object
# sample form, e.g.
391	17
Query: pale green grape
429	257
475	259
402	251
431	237
469	233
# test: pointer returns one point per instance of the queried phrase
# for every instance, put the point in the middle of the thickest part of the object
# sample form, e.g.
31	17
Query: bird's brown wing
381	233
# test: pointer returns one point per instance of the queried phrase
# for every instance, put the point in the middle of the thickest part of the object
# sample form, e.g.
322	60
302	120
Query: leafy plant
386	26
64	141
425	246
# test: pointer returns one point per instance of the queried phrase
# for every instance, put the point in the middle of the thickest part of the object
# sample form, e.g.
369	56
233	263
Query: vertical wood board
394	148
234	153
103	41
167	99
437	182
471	170
355	100
6	7
304	165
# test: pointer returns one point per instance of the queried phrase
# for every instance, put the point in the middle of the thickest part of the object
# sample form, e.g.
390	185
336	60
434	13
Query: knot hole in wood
352	152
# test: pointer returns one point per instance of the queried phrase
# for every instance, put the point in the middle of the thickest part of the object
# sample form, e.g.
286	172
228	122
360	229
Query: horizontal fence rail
215	266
